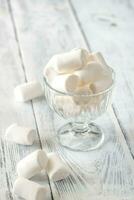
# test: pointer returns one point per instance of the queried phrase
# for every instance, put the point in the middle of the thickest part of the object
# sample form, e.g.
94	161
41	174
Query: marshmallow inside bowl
66	82
68	62
72	71
68	71
75	78
81	98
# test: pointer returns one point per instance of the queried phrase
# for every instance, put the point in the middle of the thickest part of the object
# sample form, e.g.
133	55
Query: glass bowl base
78	137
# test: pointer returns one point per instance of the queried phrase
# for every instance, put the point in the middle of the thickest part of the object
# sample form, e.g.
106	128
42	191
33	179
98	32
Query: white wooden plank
109	28
45	28
11	74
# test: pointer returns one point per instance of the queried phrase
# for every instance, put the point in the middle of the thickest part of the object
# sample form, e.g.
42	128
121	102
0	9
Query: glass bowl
80	110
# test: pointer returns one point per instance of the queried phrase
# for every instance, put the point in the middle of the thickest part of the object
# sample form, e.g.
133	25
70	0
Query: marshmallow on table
30	190
97	57
56	169
65	82
20	134
70	61
91	72
28	91
32	164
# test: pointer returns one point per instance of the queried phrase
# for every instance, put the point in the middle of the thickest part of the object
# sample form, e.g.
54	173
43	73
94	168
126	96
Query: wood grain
43	29
12	74
109	28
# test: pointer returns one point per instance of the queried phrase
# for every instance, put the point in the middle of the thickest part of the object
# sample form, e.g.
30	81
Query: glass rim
89	95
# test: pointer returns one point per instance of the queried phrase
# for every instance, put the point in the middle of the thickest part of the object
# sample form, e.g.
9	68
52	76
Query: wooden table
30	33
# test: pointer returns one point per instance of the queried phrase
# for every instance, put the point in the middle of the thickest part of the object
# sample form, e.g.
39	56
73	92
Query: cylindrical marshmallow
28	91
66	106
20	134
56	169
101	85
97	57
65	82
70	61
93	71
30	190
32	164
84	89
82	94
49	73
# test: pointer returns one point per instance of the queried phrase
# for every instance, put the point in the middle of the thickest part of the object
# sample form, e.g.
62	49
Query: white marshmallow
101	85
56	169
97	57
49	73
66	105
20	134
28	91
70	61
84	89
32	164
83	92
65	82
30	190
93	71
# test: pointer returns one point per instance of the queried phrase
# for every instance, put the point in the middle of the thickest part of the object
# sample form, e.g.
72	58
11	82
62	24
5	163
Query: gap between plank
23	67
79	24
21	60
7	180
122	130
89	47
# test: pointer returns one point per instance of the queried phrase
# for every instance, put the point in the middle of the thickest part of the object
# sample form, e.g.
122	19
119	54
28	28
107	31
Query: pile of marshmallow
78	72
33	164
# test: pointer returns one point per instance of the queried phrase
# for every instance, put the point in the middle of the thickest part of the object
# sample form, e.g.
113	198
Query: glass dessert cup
80	133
